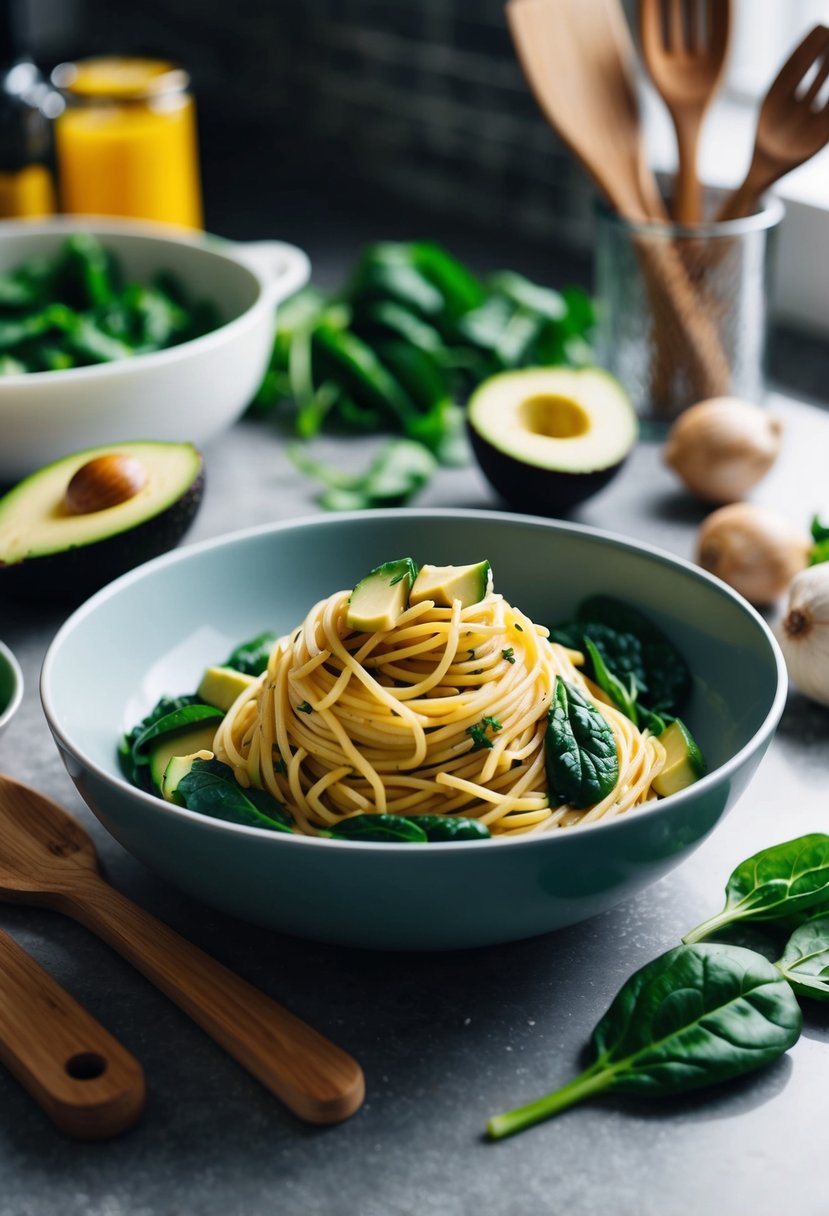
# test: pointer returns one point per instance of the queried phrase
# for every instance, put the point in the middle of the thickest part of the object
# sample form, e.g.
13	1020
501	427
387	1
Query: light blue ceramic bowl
11	686
155	629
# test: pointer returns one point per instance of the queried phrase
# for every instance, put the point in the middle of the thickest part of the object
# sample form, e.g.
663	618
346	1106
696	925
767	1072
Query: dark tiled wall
419	98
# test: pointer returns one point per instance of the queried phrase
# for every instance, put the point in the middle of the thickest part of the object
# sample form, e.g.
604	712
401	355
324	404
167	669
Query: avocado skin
69	577
529	488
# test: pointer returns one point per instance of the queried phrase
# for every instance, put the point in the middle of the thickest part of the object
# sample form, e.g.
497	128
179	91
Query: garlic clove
751	548
720	448
804	633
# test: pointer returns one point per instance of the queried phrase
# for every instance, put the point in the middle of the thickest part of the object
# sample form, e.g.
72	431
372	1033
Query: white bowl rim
17	691
296	840
207	243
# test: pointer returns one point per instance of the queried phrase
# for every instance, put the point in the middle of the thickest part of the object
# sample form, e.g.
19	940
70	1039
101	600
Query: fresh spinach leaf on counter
805	959
775	884
693	1017
400	469
410	334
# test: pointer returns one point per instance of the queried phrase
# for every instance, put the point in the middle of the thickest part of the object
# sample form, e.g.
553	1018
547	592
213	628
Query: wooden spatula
577	57
46	858
86	1081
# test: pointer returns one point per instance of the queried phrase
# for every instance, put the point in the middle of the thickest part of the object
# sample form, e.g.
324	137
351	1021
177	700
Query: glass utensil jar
126	143
682	311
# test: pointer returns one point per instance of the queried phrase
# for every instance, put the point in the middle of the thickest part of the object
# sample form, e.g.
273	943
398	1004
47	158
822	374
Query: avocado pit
103	482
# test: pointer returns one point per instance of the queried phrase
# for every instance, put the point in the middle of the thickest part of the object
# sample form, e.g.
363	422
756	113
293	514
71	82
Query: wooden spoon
85	1080
790	129
684	46
46	858
578	60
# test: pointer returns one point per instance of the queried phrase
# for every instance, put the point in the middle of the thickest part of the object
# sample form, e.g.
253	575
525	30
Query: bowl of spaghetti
453	776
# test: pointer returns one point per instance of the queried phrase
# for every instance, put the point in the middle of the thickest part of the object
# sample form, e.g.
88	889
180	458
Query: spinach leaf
136	769
450	827
580	751
805	959
401	468
695	1016
774	884
621	652
251	658
211	789
171	724
624	698
819	551
379	828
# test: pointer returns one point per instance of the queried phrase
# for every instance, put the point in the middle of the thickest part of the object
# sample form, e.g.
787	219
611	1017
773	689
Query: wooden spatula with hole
46	858
84	1079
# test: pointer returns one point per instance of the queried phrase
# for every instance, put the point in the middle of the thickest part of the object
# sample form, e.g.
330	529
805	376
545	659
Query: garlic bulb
804	633
755	551
721	447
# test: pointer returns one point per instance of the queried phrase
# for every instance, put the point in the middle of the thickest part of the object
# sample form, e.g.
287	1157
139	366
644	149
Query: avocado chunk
548	438
379	599
445	584
72	526
683	764
178	767
220	686
197	739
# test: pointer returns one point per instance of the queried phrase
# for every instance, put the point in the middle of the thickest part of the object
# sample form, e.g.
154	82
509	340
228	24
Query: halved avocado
548	438
74	525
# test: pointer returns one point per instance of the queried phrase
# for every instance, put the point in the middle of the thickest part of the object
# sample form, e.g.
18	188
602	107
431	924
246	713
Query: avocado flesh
178	767
379	599
445	584
683	763
196	739
220	686
49	554
548	438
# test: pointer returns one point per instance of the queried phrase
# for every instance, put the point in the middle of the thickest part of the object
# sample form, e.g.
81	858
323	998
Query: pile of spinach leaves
74	308
407	338
630	659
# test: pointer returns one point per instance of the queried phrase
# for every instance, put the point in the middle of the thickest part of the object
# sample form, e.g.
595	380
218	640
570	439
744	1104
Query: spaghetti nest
446	713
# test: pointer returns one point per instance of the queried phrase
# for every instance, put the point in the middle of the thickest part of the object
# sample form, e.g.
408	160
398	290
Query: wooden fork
790	129
684	45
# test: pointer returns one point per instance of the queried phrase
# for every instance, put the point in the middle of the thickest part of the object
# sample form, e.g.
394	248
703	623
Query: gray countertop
445	1040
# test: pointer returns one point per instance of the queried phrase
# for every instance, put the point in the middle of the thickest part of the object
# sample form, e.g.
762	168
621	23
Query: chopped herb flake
305	708
478	734
508	654
520	628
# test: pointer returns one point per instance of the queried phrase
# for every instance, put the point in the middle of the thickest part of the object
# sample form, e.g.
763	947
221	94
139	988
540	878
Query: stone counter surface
445	1039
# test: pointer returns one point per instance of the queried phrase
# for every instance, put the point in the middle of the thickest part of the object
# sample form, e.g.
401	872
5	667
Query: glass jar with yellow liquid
126	143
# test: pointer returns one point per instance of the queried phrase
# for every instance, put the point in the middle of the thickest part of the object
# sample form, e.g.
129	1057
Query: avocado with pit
220	686
379	599
547	438
445	584
76	524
